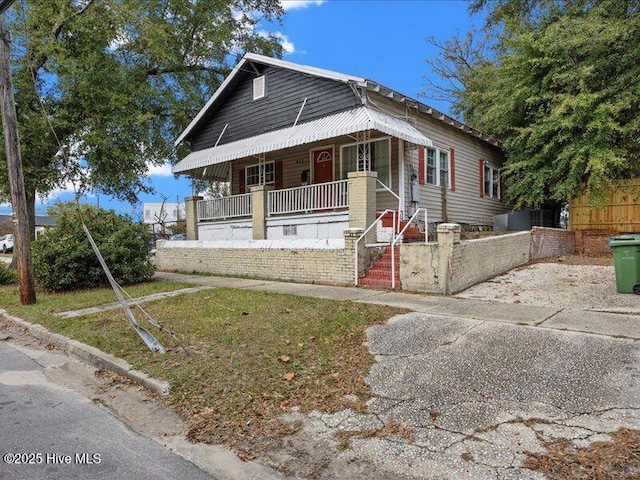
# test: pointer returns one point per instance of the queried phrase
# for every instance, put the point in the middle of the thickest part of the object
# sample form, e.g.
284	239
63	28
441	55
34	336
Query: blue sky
383	40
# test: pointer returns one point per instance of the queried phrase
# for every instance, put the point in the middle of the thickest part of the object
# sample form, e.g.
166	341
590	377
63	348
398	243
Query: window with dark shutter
452	169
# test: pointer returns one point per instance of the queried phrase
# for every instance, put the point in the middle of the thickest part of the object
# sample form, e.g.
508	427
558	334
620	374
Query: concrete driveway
590	287
478	395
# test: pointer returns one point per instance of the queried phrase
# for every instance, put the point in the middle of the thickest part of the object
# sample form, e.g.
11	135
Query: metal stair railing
393	238
399	237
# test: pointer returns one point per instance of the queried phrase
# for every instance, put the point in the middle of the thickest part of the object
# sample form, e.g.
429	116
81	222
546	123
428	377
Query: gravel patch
559	285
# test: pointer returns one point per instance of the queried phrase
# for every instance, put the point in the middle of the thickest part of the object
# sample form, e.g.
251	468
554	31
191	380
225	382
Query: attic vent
259	88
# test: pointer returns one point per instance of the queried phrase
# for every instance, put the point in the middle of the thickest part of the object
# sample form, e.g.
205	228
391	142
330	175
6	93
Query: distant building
161	216
42	223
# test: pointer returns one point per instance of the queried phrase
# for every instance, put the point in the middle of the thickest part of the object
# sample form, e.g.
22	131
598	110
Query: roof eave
398	97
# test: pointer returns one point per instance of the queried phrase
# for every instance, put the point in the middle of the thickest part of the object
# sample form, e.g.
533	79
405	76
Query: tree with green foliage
560	89
119	79
64	260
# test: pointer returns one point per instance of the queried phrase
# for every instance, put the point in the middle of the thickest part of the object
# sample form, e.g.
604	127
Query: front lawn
49	303
253	356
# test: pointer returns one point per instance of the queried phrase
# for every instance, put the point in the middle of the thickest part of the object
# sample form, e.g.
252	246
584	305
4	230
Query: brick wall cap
449	227
362	174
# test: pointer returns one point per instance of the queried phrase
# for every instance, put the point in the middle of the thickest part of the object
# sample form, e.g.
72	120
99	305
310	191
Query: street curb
91	355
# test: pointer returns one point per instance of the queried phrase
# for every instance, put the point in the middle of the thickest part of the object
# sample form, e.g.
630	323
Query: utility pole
22	244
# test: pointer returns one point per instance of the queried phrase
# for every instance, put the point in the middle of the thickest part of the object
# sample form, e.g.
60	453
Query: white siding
464	204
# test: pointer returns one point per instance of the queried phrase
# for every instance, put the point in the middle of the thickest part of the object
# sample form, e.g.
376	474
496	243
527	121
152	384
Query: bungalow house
310	153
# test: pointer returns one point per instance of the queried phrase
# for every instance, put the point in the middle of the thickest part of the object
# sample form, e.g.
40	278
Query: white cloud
299	4
287	45
50	197
163	170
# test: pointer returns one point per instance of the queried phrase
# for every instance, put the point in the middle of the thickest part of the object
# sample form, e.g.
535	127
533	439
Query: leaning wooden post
22	244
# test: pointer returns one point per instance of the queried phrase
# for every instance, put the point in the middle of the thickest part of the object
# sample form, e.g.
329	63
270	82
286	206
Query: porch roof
344	123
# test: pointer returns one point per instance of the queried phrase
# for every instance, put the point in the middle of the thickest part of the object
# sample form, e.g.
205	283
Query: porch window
260	174
379	152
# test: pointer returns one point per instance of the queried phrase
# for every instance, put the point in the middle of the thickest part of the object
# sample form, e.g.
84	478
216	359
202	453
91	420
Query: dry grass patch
391	429
613	460
253	356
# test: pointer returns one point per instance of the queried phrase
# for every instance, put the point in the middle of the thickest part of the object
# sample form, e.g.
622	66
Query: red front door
323	165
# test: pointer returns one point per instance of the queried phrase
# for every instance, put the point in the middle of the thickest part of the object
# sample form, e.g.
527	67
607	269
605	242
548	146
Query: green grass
48	303
244	347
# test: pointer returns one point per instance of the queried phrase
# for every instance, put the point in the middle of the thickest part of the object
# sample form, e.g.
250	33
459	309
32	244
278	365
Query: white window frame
373	140
493	178
263	79
428	167
261	174
437	152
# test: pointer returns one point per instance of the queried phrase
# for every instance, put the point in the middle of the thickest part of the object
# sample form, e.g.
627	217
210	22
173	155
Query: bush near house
7	276
64	260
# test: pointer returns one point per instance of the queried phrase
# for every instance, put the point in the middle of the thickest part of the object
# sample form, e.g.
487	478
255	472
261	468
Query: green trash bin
626	258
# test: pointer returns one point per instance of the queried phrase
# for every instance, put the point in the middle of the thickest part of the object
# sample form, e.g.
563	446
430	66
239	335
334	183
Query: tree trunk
30	194
22	243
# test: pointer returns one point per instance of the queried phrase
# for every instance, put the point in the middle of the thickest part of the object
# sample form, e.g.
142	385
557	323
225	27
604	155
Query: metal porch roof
344	123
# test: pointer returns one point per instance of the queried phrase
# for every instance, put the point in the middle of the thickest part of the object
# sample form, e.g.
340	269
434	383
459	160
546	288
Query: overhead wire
146	336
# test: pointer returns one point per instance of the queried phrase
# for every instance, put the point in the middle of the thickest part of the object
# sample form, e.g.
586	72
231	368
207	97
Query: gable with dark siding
286	90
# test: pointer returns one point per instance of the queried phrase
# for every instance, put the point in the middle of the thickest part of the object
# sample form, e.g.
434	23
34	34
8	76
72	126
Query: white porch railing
322	196
225	207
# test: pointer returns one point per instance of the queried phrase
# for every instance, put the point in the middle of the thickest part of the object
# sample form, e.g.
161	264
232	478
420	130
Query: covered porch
310	181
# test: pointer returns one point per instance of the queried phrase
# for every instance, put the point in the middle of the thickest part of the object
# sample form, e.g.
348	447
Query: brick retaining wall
551	242
474	261
593	242
448	266
325	266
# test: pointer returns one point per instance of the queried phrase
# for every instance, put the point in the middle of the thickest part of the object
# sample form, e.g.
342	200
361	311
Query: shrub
64	260
7	276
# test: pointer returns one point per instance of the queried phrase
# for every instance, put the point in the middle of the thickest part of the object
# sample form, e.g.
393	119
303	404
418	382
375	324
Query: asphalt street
51	432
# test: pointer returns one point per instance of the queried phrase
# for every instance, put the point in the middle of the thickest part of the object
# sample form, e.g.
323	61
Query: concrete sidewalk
620	325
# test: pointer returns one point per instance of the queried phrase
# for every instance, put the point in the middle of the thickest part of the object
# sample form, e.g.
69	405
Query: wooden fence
621	212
